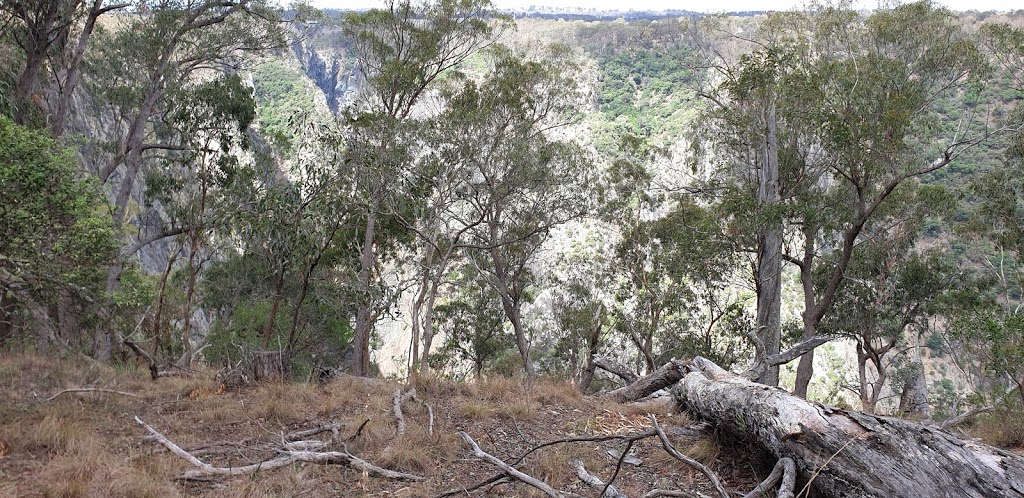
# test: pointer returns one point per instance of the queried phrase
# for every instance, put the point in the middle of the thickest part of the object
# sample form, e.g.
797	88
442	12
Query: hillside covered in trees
804	229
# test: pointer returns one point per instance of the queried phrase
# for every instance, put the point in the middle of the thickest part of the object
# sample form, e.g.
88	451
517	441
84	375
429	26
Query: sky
692	5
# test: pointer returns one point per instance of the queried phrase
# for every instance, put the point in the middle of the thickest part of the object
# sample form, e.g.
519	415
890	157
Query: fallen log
844	453
611	366
666	376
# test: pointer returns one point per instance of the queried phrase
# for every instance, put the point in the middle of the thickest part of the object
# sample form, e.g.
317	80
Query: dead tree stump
269	366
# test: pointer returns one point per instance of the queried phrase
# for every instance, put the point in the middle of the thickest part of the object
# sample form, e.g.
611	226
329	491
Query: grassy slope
88	445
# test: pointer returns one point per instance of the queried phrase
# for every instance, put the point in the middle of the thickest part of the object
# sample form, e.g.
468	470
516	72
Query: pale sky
692	5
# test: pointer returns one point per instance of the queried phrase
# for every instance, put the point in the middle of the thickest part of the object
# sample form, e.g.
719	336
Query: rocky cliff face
330	71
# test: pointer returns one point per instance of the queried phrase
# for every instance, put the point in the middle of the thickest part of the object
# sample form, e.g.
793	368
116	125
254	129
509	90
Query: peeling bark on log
612	367
850	454
669	374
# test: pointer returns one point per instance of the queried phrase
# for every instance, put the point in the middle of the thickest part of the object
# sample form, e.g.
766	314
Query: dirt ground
88	444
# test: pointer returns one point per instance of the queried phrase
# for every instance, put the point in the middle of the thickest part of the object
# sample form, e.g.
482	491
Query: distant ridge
579	14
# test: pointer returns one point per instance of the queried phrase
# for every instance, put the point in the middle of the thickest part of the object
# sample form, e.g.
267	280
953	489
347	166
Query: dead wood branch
849	453
154	371
585	439
784	471
294	436
398	414
669	374
799	349
658	493
595	482
964	417
611	366
495	479
510	470
91	390
285	458
665	443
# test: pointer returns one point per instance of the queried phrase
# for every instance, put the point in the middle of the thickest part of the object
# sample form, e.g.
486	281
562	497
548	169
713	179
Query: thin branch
91	390
284	459
510	470
687	460
595	482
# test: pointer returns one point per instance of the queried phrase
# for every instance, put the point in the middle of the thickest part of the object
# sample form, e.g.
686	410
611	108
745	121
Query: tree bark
269	365
664	377
768	278
849	454
364	312
268	331
613	367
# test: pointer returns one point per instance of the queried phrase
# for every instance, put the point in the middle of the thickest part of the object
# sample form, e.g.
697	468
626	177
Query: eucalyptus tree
195	184
55	241
401	51
520	182
892	286
136	69
860	123
44	31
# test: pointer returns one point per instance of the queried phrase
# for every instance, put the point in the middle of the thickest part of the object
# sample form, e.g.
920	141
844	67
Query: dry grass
558	392
52	435
282	403
999	428
519	409
553	465
88	445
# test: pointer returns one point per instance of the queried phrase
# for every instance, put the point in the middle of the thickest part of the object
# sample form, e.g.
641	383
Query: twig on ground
91	390
658	493
618	468
687	460
510	470
517	461
287	457
359	430
607	490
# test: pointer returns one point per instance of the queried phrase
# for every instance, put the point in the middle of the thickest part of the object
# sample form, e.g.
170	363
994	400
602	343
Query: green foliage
281	93
473	324
55	233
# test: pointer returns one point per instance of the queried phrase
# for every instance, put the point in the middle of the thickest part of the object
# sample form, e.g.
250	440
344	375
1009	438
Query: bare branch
91	390
687	460
510	470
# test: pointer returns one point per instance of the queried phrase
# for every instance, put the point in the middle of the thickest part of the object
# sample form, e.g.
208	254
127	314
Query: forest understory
55	441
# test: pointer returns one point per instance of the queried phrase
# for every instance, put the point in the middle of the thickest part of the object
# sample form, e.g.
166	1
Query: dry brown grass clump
1001	428
558	392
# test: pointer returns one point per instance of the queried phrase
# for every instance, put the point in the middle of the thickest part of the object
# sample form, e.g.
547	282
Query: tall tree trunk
593	343
268	330
768	278
416	310
67	318
805	369
428	329
914	399
365	312
867	403
297	309
65	96
38	37
186	334
510	303
158	327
